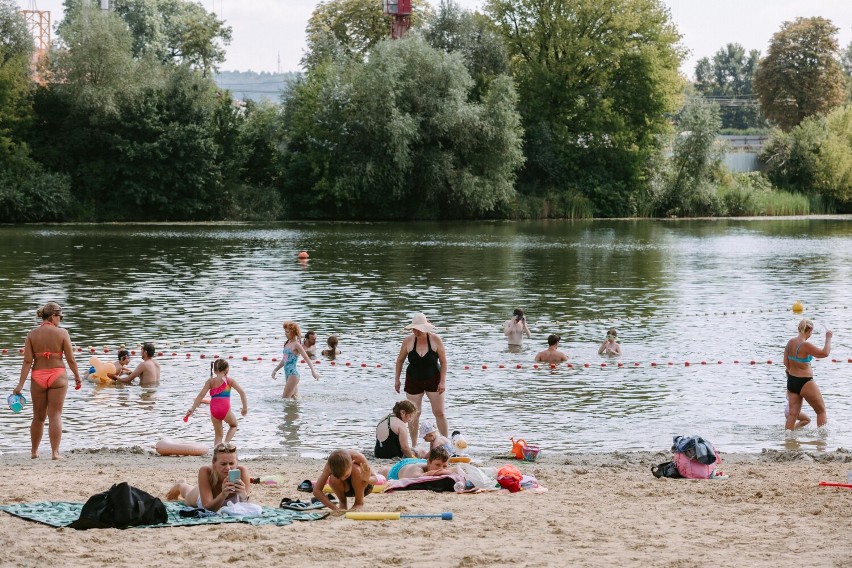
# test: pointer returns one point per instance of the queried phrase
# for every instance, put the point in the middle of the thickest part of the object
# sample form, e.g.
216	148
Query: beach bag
692	469
475	476
667	469
121	507
695	457
695	448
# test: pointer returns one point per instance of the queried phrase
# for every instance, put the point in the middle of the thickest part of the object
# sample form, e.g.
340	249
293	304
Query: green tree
95	65
846	59
16	47
350	28
800	75
729	75
453	29
28	192
374	139
815	157
596	79
686	183
170	31
157	157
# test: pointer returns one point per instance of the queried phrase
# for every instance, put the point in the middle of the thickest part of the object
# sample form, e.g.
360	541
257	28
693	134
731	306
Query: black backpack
667	469
121	507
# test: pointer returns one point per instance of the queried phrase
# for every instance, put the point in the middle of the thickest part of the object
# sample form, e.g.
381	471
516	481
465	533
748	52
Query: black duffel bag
121	507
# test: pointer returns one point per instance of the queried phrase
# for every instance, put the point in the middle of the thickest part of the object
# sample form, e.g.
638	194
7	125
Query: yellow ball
798	307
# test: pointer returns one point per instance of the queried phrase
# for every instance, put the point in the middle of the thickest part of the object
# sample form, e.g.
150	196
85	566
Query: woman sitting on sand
214	489
392	437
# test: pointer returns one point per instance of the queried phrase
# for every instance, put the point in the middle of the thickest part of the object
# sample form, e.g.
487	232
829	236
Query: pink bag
693	469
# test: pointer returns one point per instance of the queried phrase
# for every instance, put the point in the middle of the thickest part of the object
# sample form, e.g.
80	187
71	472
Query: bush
33	195
247	203
553	205
751	194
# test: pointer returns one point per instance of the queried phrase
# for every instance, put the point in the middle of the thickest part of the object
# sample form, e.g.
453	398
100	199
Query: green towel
63	513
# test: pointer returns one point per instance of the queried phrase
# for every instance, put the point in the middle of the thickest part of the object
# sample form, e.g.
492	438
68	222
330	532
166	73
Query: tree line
534	108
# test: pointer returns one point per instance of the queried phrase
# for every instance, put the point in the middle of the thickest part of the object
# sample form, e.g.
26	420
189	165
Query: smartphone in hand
234	475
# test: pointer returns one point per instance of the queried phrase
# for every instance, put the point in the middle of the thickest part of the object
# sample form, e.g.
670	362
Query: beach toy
530	452
16	402
798	307
829	484
168	447
358	516
101	371
518	447
458	440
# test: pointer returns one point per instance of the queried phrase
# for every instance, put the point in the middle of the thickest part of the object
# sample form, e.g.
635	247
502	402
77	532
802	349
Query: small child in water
610	346
430	433
219	385
349	475
332	347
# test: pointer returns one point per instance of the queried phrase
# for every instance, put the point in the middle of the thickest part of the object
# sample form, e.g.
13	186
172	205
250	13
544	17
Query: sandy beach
600	510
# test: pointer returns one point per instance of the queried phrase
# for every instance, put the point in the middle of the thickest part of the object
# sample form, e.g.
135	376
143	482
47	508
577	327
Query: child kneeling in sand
414	467
349	475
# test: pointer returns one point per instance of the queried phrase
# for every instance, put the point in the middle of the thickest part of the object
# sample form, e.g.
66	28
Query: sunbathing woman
43	351
214	489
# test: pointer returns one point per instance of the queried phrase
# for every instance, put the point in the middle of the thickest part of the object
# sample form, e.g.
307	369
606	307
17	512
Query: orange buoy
303	255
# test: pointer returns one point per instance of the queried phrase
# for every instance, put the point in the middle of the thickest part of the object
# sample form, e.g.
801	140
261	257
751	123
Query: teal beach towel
63	513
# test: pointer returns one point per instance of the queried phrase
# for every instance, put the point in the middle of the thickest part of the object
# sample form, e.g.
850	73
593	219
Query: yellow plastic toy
102	370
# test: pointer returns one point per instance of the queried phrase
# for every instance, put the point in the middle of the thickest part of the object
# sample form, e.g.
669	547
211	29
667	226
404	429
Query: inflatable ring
100	375
459	459
167	447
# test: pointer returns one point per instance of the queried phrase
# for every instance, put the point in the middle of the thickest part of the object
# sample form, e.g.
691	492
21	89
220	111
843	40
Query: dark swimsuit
423	373
390	448
794	383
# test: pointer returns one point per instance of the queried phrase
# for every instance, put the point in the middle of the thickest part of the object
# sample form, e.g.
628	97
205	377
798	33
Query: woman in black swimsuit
391	435
426	371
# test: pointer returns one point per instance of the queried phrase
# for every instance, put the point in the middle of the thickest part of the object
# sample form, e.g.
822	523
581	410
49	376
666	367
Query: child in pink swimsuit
219	386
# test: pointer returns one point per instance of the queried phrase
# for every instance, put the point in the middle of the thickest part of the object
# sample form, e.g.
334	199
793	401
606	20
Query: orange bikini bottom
45	377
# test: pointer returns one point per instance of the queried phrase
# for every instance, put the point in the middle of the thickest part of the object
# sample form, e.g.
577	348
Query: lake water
678	291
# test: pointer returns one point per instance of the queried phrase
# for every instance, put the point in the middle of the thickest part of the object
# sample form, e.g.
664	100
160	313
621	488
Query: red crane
400	13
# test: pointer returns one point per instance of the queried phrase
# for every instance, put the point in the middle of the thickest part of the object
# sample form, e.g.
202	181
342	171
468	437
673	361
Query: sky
269	35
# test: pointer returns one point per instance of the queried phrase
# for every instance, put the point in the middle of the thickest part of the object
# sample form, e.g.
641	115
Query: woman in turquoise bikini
800	384
292	351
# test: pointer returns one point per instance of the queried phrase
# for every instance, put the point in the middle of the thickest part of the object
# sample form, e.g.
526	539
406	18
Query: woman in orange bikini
43	353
